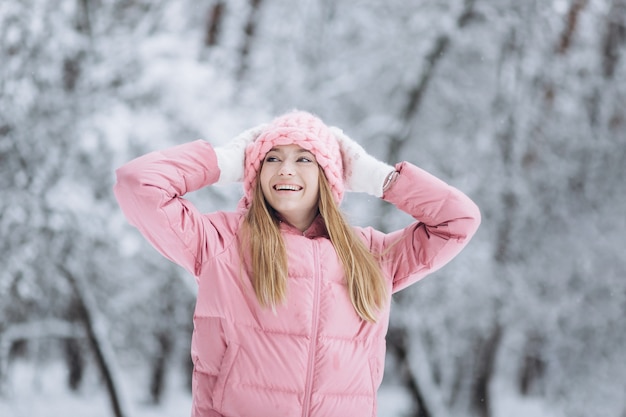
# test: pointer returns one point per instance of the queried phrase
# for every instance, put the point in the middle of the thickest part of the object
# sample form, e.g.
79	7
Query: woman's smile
287	187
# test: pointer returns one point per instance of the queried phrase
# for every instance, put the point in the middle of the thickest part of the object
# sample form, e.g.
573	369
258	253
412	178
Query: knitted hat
303	129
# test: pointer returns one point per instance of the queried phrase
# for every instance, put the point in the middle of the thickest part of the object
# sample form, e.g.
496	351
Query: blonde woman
293	303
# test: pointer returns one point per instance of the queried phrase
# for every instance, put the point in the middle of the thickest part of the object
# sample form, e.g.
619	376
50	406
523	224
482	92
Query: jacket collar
316	229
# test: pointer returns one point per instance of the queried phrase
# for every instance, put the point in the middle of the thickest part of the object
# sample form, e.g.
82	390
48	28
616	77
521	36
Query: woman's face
289	180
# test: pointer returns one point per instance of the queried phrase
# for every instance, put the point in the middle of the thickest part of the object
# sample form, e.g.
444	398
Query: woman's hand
230	157
362	172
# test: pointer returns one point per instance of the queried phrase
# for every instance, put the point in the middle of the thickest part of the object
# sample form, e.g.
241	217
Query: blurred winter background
521	104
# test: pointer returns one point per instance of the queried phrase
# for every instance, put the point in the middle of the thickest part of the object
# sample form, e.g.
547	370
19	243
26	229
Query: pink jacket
314	356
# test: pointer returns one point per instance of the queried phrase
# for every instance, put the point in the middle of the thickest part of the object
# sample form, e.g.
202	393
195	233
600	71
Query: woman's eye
271	159
304	159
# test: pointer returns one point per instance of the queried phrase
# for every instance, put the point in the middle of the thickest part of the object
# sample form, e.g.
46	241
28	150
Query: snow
509	404
44	393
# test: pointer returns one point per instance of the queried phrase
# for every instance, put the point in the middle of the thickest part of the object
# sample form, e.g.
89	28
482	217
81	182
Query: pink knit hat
306	130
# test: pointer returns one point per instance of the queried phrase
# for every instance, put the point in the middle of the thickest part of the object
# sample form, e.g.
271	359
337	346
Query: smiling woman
293	302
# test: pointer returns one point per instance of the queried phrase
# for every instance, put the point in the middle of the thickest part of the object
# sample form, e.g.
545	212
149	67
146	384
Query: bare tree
214	22
249	32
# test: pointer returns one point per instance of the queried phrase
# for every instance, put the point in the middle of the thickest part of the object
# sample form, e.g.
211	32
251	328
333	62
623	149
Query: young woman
293	303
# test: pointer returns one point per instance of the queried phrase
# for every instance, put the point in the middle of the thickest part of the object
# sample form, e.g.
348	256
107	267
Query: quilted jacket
313	356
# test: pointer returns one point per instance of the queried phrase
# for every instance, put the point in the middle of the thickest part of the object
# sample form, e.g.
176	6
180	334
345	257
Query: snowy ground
45	394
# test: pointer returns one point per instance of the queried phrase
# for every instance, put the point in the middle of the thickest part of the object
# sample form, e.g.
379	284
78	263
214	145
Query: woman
293	303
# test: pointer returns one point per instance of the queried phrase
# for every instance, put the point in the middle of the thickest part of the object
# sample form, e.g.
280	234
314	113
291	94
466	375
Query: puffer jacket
313	356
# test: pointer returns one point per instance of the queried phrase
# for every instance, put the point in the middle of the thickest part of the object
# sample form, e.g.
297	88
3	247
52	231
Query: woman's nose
286	168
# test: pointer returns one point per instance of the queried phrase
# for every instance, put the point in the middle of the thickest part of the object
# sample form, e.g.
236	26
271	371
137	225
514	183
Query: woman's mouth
287	187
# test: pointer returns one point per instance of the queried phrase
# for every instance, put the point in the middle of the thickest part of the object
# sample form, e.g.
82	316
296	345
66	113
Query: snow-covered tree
519	104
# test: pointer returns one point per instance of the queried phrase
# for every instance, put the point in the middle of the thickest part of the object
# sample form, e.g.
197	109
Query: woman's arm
446	219
149	190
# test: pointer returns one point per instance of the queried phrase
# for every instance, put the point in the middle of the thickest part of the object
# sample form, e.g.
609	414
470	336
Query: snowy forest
520	104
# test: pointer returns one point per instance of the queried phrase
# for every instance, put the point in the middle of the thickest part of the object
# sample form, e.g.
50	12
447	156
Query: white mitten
362	172
230	157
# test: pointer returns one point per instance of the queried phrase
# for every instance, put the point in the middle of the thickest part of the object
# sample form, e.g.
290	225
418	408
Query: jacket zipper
313	346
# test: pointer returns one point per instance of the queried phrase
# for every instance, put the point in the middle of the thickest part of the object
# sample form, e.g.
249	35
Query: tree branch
97	339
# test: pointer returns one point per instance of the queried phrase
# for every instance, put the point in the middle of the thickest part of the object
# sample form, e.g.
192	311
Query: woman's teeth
281	187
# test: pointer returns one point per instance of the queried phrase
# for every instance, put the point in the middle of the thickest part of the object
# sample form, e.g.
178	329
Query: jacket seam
343	394
198	371
255	328
344	339
279	332
268	388
350	339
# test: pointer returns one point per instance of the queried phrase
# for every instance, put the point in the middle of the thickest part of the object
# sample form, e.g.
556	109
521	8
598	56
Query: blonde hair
268	256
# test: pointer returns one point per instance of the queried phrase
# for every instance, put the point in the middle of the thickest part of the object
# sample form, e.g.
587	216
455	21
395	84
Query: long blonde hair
268	256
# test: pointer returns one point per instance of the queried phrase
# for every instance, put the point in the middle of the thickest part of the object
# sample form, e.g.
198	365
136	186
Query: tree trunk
214	23
98	340
485	364
75	363
249	33
15	339
159	366
533	366
570	27
614	38
398	346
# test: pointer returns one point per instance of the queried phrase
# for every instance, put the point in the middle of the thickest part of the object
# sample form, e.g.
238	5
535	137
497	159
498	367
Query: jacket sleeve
446	219
149	190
